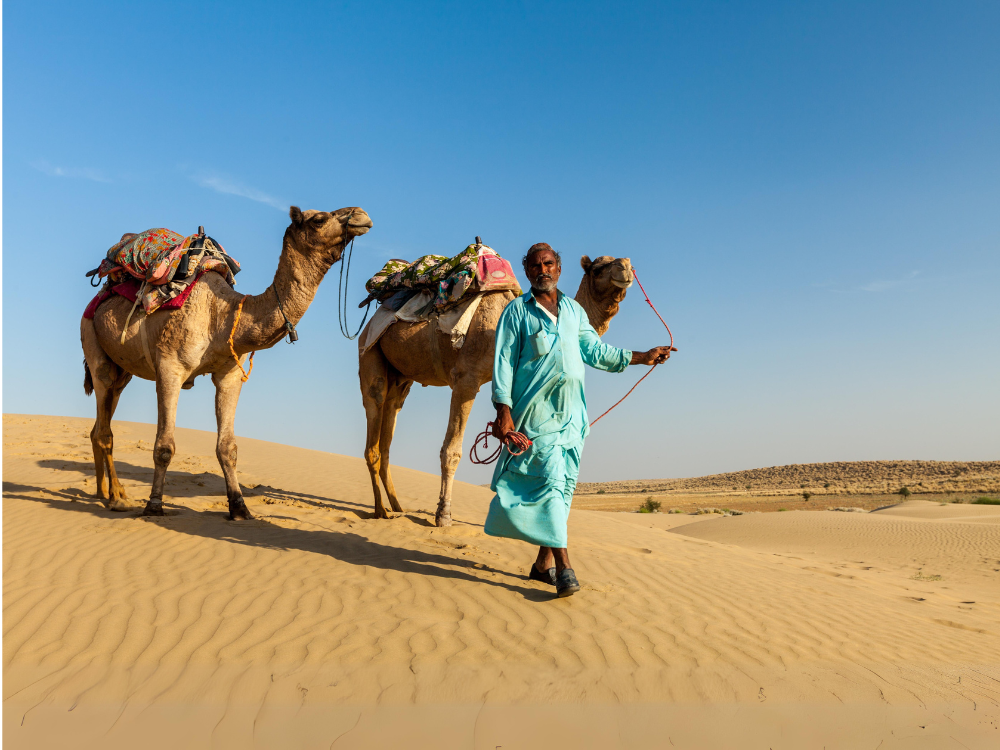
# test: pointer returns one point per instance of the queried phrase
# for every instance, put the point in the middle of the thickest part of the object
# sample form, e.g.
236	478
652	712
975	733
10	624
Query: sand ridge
318	623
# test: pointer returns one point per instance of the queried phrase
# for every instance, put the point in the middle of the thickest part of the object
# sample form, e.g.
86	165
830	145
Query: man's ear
586	263
295	215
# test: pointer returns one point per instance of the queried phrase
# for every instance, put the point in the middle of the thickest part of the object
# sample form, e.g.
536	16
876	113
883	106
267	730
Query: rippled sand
317	626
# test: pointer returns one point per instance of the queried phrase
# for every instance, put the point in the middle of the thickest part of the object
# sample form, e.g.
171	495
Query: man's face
543	271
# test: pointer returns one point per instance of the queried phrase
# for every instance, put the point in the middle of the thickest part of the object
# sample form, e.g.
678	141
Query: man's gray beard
543	286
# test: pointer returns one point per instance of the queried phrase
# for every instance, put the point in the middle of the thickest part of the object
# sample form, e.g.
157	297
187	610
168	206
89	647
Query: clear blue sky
810	191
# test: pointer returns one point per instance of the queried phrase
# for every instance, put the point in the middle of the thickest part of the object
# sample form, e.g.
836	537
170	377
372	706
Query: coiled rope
523	443
516	444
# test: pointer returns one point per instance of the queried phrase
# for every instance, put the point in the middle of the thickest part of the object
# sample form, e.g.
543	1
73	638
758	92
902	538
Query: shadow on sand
346	546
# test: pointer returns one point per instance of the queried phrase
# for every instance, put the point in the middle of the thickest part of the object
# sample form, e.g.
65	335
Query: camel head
607	277
325	234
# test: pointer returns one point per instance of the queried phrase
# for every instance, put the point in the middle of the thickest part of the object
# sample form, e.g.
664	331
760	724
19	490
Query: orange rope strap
236	322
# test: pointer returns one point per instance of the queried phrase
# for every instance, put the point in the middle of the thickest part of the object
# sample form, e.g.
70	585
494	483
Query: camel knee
450	458
373	457
226	452
163	453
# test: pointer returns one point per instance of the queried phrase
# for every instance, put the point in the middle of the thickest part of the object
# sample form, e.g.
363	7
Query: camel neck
296	280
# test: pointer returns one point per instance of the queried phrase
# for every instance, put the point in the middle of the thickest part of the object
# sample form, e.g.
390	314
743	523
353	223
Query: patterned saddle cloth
155	259
477	268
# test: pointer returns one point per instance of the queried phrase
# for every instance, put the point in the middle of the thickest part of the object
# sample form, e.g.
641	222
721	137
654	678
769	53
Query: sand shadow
181	484
343	545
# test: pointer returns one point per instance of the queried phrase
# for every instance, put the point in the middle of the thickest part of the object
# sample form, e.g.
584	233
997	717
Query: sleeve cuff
500	398
626	360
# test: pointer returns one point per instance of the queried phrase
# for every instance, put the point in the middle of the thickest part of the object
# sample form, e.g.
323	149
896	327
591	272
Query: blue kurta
538	372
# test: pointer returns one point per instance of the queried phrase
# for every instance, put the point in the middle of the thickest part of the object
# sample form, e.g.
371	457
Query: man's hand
504	423
655	356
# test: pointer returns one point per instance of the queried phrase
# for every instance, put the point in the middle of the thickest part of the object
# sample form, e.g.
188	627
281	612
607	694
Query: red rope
521	443
636	276
516	444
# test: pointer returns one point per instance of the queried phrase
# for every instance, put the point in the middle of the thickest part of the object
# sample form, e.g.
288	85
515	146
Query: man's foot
566	583
549	576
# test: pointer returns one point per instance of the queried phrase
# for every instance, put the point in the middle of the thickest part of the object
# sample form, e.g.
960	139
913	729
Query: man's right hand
504	423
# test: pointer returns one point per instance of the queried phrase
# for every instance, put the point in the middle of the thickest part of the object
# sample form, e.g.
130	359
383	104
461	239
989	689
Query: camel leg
227	393
463	395
373	371
398	389
168	389
108	381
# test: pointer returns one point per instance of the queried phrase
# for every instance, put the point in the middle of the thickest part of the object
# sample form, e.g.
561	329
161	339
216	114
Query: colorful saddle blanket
153	258
478	267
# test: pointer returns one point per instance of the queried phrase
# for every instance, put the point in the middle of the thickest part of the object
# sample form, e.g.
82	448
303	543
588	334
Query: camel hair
399	358
195	340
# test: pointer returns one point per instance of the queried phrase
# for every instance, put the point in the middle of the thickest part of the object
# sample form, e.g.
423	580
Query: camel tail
88	380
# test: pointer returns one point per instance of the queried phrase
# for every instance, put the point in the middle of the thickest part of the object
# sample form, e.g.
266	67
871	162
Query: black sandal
549	576
566	583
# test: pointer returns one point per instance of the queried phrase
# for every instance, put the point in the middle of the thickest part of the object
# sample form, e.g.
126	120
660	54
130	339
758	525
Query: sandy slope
316	626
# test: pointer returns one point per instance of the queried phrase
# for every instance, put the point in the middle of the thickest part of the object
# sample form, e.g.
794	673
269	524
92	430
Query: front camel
195	340
400	357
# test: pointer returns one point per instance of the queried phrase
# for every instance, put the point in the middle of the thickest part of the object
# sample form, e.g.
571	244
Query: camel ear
586	263
295	215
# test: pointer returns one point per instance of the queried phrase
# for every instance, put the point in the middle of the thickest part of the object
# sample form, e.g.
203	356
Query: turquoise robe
538	372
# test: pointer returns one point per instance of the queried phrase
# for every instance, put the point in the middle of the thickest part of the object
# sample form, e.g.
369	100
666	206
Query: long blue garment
538	372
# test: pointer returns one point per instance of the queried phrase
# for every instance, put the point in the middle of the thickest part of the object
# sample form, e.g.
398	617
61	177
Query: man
543	340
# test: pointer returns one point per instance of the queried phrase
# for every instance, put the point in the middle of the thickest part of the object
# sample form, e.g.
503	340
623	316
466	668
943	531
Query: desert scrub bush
601	492
806	496
826	485
904	492
652	505
987	501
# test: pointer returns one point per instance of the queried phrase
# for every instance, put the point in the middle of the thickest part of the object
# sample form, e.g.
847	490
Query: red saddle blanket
129	289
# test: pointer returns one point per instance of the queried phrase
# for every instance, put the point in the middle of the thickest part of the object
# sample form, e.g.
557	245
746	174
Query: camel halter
293	335
236	322
518	443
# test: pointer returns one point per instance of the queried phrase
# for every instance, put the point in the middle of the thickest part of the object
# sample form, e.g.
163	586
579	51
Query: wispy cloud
228	186
84	173
872	287
882	286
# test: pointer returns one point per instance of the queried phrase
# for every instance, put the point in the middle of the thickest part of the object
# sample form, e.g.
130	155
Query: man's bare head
542	265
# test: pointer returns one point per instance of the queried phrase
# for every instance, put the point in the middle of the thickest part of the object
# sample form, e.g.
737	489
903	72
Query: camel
195	340
400	358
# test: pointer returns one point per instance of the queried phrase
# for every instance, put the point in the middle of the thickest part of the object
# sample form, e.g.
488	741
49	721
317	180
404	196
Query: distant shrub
826	485
600	492
904	492
652	505
781	509
987	501
806	496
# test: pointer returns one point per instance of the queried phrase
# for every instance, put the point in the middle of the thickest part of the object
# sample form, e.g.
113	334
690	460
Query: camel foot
442	520
238	510
120	505
153	509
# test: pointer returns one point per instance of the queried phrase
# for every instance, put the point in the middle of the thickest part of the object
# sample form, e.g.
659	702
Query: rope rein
236	322
636	276
342	298
521	443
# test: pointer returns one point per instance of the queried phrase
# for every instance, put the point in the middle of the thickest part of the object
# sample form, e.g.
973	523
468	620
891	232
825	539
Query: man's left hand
655	356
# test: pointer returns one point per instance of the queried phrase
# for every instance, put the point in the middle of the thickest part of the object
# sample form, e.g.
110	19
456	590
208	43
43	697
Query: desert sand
316	626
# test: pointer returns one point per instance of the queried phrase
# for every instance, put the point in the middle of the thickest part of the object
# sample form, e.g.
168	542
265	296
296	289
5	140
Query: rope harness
521	443
236	322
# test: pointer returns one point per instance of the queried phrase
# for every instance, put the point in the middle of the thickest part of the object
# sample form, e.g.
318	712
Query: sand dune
834	478
317	626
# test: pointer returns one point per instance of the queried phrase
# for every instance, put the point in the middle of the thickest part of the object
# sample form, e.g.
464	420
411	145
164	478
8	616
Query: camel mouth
621	284
359	229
